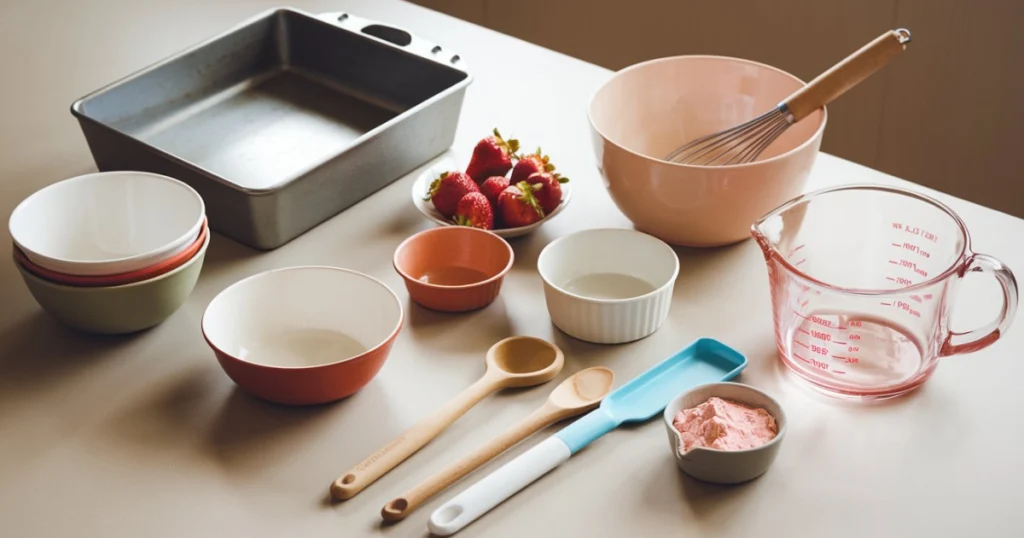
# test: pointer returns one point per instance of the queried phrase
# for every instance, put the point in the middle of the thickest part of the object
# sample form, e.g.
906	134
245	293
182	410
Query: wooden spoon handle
847	73
413	439
401	506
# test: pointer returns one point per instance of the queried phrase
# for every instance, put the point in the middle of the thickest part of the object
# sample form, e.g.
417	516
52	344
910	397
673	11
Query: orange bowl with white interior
303	335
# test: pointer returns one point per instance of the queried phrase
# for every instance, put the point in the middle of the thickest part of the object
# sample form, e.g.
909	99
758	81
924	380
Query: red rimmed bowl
119	279
303	335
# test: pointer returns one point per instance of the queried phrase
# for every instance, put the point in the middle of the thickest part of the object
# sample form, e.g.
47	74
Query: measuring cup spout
762	240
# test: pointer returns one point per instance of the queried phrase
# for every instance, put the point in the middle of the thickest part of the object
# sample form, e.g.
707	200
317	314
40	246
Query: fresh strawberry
549	195
474	210
492	156
492	187
518	205
528	165
446	191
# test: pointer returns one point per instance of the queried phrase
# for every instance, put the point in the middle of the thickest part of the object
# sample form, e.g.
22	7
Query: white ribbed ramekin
618	251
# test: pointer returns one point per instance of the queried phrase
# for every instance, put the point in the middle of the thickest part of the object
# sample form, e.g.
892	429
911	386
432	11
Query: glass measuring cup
862	278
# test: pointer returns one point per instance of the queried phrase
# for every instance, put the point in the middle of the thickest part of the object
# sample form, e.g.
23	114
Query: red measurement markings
912	266
910	247
894	262
804	331
802	260
886	304
856	324
854	336
848	360
819	350
818	364
803	304
903	281
915	298
821	335
801	343
907	308
890	278
819	321
796	249
837	372
837	342
927	297
914	230
801	358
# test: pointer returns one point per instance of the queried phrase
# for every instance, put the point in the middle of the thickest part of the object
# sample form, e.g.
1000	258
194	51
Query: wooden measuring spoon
576	395
518	361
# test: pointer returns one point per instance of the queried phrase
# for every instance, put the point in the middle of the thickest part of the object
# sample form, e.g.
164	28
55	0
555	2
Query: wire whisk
745	142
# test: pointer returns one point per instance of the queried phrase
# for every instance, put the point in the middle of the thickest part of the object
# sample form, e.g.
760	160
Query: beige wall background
948	114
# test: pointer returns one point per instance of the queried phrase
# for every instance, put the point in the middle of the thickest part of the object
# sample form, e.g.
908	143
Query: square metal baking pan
283	121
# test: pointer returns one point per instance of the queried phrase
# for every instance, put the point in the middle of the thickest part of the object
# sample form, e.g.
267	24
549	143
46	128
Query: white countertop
146	436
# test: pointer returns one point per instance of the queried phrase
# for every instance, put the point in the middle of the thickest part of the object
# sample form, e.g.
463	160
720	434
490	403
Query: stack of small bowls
111	252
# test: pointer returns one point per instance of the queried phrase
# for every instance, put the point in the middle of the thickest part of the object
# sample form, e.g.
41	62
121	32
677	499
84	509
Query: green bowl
118	309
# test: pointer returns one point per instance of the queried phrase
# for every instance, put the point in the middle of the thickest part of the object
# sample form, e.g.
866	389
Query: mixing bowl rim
374	350
622	72
162	249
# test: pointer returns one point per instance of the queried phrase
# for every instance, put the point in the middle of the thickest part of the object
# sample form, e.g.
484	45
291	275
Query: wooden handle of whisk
847	73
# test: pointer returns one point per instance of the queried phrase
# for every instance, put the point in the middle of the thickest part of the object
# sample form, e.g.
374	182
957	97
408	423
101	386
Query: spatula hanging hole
349	478
395	508
449	514
455	59
343	17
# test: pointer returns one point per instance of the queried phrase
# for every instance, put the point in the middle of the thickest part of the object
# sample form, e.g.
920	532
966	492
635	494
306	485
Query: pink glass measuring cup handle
970	341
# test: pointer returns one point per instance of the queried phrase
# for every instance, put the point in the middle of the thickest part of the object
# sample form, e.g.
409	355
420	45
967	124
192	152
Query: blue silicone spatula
704	361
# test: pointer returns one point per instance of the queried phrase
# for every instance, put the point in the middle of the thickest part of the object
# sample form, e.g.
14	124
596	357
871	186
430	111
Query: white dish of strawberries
500	189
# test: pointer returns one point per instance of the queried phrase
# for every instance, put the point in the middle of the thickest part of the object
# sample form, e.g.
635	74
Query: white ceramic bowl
725	466
608	286
107	222
421	187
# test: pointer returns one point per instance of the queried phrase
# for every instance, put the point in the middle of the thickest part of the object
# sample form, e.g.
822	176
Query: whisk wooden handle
847	73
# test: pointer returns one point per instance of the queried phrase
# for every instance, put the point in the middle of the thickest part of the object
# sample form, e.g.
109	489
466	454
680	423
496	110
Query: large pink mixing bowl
645	111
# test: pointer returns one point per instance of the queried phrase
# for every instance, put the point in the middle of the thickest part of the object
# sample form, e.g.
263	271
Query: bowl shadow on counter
458	331
41	350
201	409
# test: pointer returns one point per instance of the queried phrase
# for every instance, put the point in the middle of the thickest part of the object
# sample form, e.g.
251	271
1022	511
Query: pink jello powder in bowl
724	425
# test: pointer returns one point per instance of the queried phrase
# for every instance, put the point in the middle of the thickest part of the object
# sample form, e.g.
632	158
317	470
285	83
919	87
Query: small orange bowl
92	281
453	268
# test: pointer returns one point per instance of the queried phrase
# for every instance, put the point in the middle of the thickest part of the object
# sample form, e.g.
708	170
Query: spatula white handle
494	488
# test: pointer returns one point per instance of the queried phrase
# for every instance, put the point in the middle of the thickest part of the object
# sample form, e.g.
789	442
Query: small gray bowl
725	466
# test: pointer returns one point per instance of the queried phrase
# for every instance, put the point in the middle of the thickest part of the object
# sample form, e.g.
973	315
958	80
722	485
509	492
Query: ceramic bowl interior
104	222
302	317
725	466
453	256
654	107
608	264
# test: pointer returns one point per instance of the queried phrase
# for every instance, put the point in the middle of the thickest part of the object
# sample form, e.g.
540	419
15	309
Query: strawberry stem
528	198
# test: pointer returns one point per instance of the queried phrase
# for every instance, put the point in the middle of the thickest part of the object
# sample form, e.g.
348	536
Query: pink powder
724	425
